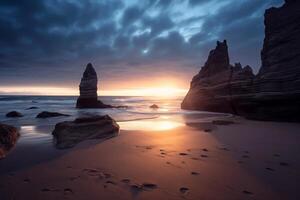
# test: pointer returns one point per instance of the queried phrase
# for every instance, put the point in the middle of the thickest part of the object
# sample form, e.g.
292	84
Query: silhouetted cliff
273	94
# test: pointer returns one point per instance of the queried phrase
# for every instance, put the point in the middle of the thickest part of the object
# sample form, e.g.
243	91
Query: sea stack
88	90
211	88
274	93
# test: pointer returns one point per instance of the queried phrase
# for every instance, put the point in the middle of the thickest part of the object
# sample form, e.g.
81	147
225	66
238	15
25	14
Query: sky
136	46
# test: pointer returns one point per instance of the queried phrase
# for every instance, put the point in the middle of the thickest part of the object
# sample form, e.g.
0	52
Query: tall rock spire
88	84
88	90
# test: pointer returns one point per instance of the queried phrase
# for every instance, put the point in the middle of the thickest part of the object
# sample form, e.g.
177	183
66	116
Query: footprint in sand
223	148
125	180
149	186
194	173
276	155
49	190
68	191
245	156
183	154
74	178
270	169
111	182
136	188
26	180
283	164
183	190
204	149
247	192
204	156
45	190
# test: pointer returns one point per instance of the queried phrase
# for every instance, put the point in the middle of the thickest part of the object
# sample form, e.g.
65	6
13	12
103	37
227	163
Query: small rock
154	106
31	108
14	114
46	114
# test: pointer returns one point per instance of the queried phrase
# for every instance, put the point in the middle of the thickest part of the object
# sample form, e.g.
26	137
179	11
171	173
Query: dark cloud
53	39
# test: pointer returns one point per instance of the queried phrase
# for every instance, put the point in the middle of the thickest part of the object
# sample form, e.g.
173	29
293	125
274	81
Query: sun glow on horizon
166	91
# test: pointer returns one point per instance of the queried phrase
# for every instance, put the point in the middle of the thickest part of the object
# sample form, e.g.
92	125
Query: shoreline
235	161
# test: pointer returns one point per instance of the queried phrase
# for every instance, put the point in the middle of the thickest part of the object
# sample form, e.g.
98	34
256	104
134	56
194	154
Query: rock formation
46	114
8	138
14	114
273	94
212	87
88	90
69	133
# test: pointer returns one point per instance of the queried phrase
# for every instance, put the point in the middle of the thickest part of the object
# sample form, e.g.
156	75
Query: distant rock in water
14	114
70	133
154	106
88	90
8	138
46	114
31	108
273	94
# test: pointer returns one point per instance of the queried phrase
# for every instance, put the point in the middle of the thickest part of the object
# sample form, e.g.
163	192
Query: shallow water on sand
36	142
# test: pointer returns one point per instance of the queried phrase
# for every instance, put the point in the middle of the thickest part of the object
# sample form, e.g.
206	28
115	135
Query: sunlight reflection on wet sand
150	125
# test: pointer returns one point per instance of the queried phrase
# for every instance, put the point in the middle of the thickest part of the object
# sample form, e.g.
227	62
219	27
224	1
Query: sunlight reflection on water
150	125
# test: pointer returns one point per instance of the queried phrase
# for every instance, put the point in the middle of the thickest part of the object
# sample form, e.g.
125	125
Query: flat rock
8	138
14	114
69	133
46	114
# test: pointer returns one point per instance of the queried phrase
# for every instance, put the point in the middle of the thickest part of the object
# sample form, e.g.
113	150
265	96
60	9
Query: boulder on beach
88	90
46	114
69	133
14	114
8	138
154	106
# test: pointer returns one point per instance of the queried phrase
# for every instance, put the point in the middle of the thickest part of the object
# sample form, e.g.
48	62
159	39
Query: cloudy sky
131	43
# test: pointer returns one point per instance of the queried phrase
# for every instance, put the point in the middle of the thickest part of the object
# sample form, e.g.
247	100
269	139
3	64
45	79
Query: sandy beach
244	160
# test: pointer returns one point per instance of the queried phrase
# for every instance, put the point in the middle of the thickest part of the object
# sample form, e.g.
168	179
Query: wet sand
245	160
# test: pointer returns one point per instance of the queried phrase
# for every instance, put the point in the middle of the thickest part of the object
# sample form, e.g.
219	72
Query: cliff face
274	94
88	90
213	87
280	69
